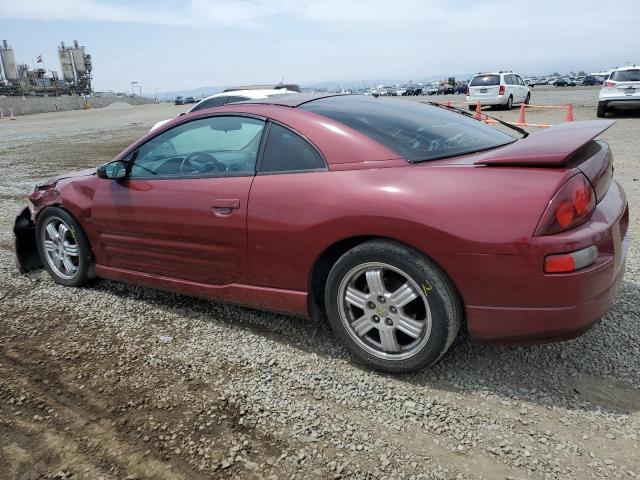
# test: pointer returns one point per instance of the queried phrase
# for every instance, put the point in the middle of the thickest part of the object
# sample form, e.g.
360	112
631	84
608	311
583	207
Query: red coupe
401	221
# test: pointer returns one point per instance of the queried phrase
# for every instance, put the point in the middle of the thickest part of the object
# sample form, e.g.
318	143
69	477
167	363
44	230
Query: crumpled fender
24	234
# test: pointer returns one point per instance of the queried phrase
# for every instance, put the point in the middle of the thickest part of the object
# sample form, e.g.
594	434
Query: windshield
415	131
485	80
626	76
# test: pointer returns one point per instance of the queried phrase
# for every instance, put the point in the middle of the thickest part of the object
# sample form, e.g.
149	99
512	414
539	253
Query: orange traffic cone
478	115
448	103
569	113
521	115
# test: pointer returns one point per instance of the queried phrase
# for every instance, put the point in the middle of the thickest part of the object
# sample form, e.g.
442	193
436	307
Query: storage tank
66	63
8	62
78	58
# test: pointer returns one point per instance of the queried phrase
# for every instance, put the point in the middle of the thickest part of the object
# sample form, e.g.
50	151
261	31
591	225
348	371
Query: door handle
224	206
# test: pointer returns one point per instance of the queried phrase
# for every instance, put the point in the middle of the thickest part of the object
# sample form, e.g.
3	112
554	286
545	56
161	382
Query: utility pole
133	93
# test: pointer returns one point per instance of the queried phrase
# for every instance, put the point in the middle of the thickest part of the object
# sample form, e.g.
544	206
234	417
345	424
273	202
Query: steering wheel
202	157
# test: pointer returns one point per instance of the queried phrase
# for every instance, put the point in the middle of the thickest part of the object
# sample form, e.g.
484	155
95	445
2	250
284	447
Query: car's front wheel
63	247
391	307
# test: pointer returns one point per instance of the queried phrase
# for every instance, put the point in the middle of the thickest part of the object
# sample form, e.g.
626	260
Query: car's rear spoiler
550	148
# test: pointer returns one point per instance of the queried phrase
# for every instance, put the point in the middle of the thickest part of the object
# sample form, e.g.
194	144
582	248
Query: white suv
231	96
620	90
503	89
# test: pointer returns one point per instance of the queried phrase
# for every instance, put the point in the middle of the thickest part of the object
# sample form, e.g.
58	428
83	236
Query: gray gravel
114	381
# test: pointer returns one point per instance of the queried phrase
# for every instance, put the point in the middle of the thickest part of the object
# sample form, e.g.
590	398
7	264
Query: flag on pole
39	59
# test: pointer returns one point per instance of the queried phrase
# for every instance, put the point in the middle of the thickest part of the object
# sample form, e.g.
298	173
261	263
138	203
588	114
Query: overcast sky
175	45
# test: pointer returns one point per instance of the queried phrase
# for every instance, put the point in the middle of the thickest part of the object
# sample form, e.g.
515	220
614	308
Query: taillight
570	262
571	206
609	84
501	90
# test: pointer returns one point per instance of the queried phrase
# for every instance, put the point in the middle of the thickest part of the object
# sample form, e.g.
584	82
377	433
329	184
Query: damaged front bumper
24	233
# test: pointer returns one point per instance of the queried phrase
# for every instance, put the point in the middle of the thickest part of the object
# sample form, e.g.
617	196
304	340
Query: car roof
294	100
253	94
625	68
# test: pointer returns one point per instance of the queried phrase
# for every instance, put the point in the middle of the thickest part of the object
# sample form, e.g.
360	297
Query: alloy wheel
60	247
385	311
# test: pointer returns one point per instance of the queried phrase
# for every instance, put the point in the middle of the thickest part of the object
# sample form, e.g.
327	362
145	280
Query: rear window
415	131
625	76
485	80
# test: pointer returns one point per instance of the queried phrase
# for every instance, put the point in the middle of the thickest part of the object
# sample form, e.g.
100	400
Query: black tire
443	302
85	256
472	108
509	104
602	110
528	99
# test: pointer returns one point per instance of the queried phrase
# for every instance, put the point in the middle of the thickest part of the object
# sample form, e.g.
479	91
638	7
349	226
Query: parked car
620	91
590	80
564	82
430	90
499	89
228	96
446	90
312	204
462	88
411	90
179	101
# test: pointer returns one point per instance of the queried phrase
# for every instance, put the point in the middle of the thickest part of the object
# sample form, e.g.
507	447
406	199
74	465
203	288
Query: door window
220	145
520	81
285	152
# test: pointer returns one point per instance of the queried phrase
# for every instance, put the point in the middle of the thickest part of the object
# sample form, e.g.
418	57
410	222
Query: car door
181	210
523	89
279	204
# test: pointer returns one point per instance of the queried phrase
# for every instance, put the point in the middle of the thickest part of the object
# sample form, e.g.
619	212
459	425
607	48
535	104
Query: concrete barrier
28	105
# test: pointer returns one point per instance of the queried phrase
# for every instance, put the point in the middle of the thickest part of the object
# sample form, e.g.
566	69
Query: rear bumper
561	306
488	101
621	102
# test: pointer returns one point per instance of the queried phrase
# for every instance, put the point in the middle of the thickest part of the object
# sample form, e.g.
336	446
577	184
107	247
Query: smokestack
62	45
75	43
4	42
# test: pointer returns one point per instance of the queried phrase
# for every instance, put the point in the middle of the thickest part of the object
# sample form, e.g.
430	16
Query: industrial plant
19	79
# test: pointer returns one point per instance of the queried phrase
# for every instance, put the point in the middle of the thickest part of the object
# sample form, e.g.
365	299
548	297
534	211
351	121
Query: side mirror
112	170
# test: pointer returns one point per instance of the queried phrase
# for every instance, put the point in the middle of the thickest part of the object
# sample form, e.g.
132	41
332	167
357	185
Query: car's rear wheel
63	247
391	307
509	104
472	108
602	110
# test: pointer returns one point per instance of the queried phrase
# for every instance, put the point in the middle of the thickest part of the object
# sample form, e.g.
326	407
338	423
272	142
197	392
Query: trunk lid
568	145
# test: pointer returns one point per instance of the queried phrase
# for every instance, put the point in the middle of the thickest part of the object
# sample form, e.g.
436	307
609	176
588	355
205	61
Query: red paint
254	240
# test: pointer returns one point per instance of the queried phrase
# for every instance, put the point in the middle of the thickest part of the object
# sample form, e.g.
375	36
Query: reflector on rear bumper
570	262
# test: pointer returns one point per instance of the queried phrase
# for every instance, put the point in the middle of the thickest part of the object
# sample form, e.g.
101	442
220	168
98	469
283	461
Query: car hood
53	180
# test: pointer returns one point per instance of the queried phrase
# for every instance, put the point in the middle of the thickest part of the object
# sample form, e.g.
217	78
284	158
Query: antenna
282	80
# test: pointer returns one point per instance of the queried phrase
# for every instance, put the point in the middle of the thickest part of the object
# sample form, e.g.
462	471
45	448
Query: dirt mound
118	105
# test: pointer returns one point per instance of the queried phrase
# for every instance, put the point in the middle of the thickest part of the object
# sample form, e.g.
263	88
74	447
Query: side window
508	79
236	98
208	146
285	151
519	79
212	102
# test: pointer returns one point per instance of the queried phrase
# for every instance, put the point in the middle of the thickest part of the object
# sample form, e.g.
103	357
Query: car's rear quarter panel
475	222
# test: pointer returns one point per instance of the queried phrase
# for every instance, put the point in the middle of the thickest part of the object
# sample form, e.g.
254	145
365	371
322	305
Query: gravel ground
119	382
